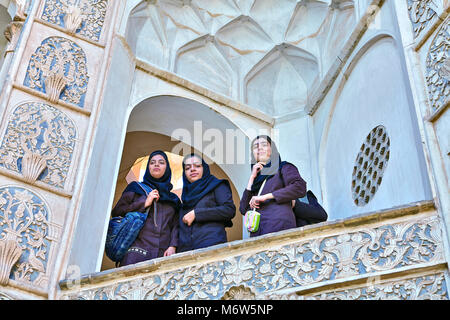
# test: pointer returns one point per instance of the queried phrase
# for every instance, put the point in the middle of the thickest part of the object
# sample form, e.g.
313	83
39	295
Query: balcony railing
395	253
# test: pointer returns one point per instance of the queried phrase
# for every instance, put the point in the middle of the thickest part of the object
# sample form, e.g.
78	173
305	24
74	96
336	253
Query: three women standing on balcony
159	235
283	184
207	206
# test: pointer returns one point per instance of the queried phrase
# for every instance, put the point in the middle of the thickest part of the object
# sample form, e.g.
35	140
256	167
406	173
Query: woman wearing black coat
159	235
207	207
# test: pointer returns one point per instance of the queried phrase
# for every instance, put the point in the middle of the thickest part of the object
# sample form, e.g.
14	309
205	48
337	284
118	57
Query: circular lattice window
370	164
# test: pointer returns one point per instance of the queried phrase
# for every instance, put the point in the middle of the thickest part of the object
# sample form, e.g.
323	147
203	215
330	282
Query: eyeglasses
261	144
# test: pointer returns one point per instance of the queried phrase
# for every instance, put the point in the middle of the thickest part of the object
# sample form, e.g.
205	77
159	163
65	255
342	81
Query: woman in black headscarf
159	235
283	184
207	206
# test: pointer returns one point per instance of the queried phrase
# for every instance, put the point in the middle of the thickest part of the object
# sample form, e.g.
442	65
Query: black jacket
212	214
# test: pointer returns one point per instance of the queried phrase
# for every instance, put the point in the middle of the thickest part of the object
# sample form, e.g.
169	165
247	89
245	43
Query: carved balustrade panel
304	263
427	287
432	287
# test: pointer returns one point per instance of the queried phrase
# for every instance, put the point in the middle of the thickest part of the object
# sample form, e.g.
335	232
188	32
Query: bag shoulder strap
147	189
262	187
259	192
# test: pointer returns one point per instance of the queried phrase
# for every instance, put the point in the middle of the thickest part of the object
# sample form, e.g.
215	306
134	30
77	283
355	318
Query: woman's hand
256	169
189	217
170	251
154	194
256	200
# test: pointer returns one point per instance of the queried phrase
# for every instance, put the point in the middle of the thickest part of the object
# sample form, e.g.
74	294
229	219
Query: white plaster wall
296	145
442	127
374	94
98	190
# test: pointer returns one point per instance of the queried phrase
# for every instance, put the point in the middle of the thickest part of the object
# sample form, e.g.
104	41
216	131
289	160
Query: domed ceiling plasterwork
269	54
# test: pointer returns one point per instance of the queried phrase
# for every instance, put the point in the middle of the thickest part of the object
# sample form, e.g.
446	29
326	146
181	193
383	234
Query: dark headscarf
162	184
193	192
270	168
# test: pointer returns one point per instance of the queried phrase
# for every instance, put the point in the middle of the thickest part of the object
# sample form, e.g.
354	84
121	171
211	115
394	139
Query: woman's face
193	169
157	166
261	150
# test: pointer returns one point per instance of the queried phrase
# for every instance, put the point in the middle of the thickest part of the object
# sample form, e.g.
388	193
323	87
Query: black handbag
307	210
123	231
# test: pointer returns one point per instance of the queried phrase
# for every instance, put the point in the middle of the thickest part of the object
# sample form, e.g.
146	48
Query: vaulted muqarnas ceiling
269	54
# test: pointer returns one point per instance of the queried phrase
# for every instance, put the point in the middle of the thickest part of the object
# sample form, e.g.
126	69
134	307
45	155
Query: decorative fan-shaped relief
182	15
273	16
244	36
244	43
306	21
438	68
216	13
146	30
203	63
39	143
181	23
59	69
245	5
84	17
24	224
279	83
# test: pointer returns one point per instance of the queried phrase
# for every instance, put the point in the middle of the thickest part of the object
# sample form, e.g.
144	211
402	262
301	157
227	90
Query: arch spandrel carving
59	68
39	143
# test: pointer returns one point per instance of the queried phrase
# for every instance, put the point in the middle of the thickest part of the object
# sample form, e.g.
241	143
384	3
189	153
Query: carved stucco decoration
438	68
421	13
64	61
429	287
432	287
369	250
23	220
39	143
239	293
84	17
4	296
11	34
10	252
